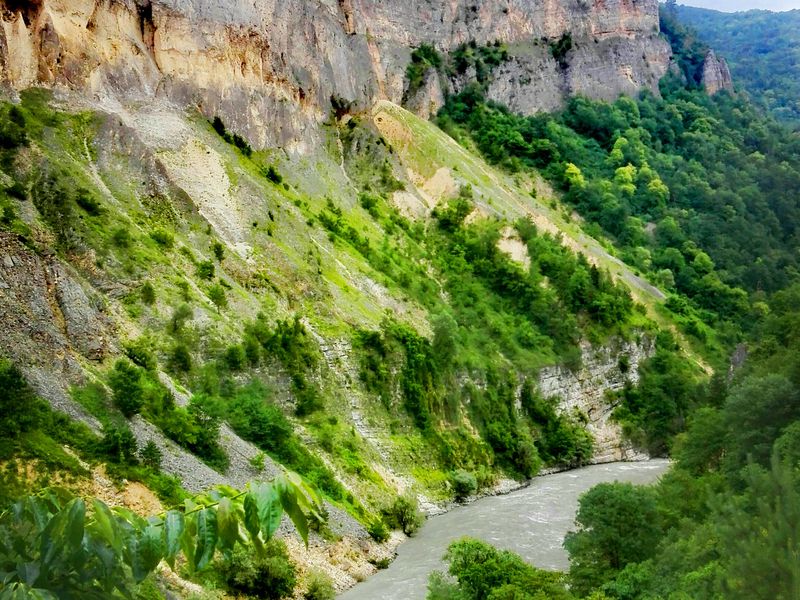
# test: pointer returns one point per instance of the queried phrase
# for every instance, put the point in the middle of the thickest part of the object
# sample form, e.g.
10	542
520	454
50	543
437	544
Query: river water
530	521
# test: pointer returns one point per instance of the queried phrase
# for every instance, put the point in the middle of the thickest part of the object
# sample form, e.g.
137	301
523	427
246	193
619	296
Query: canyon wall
270	68
583	392
716	74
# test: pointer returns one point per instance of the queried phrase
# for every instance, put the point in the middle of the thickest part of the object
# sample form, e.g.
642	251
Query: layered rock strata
583	393
270	68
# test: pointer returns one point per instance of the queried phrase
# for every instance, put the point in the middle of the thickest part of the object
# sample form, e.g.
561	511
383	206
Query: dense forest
700	194
696	192
763	51
723	523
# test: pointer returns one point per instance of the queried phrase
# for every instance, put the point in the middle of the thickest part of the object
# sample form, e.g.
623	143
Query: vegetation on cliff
724	522
190	364
698	193
695	191
314	309
761	48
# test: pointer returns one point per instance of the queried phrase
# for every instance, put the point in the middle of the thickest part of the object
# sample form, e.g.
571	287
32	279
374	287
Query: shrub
272	174
259	421
404	513
270	575
464	484
183	286
252	348
378	531
369	202
179	317
307	396
242	144
126	384
53	195
485	477
151	456
163	238
235	357
560	48
319	587
381	563
85	200
12	129
17	190
482	571
340	106
121	237
118	445
218	126
205	269
148	293
423	58
180	359
140	354
20	409
514	447
230	138
258	461
218	249
9	216
216	293
573	358
206	415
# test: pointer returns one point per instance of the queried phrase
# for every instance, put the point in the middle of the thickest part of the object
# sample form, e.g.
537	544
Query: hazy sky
735	5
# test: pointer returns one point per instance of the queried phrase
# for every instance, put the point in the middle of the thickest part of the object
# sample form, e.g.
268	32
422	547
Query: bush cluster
404	514
232	138
269	574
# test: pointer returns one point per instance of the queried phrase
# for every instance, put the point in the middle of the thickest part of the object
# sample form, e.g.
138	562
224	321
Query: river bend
531	521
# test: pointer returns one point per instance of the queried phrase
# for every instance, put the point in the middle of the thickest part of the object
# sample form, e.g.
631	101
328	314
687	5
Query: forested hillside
383	356
697	192
763	51
208	346
700	193
723	523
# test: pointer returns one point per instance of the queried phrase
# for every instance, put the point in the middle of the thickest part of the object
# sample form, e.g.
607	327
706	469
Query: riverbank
506	486
531	519
355	557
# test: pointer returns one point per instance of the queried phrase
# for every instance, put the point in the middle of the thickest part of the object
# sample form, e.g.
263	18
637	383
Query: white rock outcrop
604	369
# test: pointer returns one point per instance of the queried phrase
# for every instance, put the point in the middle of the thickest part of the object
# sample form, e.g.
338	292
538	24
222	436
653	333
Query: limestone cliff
582	392
716	75
271	67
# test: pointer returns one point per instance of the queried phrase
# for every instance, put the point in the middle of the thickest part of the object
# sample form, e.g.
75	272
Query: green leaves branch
52	546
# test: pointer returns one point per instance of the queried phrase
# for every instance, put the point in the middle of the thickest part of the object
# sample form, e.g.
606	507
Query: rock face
44	306
270	68
49	324
429	98
600	67
604	369
716	75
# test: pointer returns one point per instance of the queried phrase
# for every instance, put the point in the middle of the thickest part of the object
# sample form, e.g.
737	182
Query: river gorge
531	521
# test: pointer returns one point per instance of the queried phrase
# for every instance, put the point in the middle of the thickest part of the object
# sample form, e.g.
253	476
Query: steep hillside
227	250
154	271
763	49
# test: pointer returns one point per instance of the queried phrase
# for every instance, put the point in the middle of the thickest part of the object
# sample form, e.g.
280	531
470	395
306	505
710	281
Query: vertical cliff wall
583	392
271	67
716	74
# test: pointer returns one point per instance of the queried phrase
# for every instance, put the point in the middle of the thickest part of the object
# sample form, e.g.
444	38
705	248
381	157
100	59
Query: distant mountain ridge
762	49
